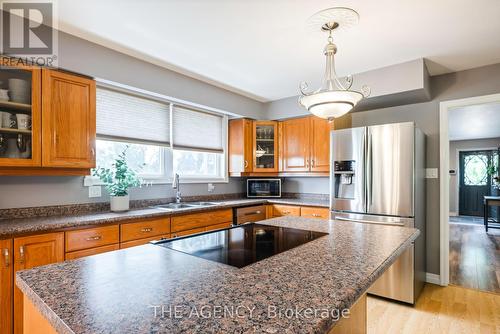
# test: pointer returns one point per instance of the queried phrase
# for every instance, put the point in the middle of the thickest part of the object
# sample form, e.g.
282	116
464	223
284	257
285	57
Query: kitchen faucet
176	185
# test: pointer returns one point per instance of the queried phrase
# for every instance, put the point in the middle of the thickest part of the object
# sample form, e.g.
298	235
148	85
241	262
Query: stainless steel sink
176	206
201	203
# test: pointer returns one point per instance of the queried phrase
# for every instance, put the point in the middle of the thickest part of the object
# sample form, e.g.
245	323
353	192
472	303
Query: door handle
6	255
21	253
94	238
253	213
245	164
369	174
147	229
367	221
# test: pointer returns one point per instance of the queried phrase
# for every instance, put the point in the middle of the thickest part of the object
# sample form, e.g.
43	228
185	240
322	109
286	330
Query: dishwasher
249	214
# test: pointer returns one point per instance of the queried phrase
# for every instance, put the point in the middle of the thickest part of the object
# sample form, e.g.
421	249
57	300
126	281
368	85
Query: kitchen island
151	289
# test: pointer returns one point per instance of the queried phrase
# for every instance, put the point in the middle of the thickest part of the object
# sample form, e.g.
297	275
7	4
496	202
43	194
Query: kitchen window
162	137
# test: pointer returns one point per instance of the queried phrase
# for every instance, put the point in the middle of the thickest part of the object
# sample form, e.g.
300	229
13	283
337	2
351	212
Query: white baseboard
432	278
453	213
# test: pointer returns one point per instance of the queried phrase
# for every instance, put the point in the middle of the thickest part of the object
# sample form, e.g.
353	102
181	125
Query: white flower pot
120	203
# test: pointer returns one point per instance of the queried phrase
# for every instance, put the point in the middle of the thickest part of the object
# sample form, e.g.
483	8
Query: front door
475	183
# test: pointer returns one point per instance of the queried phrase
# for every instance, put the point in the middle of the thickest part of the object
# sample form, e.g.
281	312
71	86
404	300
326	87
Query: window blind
123	116
197	130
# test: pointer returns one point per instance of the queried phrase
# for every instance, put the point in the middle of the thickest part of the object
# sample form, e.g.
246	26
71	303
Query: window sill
90	181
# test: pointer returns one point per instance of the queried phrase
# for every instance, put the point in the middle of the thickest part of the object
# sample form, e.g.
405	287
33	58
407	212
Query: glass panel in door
17	121
265	139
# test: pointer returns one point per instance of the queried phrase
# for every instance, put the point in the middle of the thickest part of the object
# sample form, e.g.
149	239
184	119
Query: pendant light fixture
334	98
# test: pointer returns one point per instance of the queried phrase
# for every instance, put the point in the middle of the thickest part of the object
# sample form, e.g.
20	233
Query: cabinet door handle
6	257
246	164
92	151
312	162
307	163
147	229
21	253
94	238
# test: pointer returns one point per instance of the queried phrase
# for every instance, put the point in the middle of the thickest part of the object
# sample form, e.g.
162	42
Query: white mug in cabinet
8	120
4	95
23	121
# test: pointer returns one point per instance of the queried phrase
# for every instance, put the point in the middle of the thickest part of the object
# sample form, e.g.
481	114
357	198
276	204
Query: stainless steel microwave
263	188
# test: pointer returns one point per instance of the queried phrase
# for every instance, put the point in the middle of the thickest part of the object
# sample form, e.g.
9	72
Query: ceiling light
334	98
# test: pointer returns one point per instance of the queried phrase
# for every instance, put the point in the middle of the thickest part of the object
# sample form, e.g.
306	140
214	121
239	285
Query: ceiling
475	122
263	49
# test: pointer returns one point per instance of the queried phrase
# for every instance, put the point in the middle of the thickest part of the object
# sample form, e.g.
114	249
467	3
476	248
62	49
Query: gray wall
455	147
84	57
475	82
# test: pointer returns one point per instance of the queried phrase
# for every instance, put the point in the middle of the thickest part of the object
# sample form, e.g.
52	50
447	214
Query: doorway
471	137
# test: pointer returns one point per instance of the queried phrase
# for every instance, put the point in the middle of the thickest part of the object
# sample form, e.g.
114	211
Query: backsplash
85	208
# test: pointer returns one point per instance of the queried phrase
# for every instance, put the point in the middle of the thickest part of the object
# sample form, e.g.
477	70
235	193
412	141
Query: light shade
331	103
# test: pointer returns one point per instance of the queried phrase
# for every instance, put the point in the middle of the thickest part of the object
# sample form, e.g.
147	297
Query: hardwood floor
475	257
449	309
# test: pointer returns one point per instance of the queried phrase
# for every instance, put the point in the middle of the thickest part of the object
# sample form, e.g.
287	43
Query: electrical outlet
94	191
211	188
431	173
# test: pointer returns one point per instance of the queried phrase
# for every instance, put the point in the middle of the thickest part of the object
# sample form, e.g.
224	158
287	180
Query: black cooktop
242	245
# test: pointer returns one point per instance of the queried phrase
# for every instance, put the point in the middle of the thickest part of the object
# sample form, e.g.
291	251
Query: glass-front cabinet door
20	118
265	146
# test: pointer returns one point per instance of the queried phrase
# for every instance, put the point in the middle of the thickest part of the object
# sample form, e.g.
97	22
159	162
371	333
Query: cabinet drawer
188	232
285	210
91	251
92	237
315	212
197	220
218	226
250	214
145	229
144	241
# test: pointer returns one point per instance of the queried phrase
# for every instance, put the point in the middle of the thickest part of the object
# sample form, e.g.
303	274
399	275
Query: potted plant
118	180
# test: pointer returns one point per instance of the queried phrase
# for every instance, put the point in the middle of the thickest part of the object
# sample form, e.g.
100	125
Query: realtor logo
29	31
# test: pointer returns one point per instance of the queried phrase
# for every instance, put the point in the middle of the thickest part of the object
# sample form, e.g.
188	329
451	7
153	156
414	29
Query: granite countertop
119	292
20	226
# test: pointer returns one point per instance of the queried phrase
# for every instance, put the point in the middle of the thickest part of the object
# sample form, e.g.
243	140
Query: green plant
120	178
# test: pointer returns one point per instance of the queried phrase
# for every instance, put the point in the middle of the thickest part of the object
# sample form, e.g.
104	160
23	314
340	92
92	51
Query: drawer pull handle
147	229
6	256
258	212
21	253
94	238
286	212
316	215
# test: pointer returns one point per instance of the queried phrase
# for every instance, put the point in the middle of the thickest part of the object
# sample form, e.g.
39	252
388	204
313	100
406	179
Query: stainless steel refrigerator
378	177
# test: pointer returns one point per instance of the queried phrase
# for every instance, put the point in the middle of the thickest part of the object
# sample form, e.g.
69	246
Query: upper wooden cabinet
47	122
253	147
240	146
20	116
305	144
68	120
295	147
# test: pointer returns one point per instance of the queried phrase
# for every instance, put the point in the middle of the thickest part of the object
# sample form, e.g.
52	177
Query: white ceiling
475	122
263	49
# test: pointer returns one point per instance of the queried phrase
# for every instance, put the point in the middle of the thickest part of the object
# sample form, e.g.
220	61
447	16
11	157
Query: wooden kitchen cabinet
240	146
144	229
30	252
265	147
280	210
319	143
92	237
6	286
20	144
314	212
68	120
295	145
200	220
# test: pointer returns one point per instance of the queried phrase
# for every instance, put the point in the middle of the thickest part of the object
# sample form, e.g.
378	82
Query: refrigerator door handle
368	221
369	171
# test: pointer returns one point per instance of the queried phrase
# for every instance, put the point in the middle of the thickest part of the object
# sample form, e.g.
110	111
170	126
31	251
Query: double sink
185	205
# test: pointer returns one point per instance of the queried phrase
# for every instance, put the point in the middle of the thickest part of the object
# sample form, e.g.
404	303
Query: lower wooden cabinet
92	237
91	251
143	241
6	286
200	220
279	210
145	229
314	212
34	251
